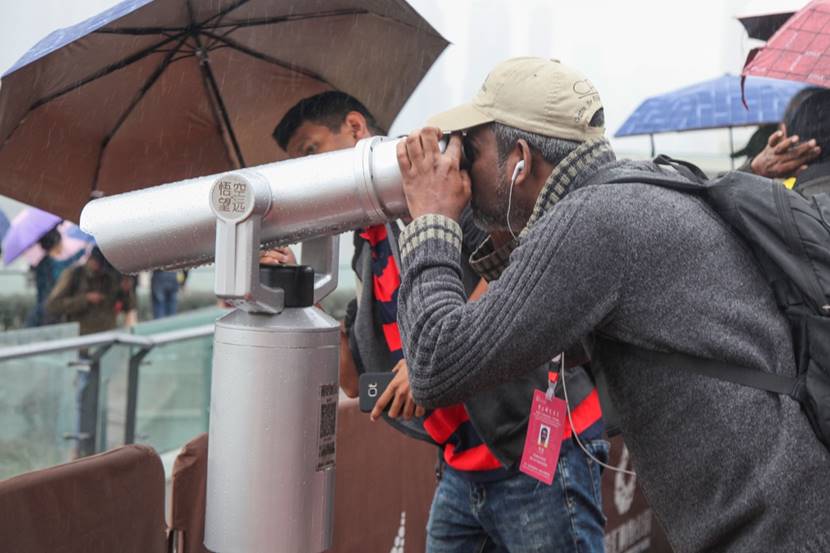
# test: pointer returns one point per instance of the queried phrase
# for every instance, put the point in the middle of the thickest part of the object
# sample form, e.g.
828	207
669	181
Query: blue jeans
521	514
164	288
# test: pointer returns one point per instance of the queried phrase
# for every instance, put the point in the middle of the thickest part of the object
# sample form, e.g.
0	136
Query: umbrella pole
731	149
653	151
210	82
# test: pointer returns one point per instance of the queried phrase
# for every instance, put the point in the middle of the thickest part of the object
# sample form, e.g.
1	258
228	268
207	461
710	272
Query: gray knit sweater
725	467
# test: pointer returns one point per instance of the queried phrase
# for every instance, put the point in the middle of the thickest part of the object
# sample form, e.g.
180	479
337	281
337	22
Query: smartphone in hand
370	387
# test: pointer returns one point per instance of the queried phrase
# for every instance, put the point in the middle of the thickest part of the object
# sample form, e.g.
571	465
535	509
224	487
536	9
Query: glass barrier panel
174	382
112	402
37	403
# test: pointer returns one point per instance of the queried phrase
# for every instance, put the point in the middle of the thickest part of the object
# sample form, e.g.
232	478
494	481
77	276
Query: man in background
92	295
482	502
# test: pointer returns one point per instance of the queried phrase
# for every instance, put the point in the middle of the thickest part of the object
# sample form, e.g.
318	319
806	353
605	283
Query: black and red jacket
483	438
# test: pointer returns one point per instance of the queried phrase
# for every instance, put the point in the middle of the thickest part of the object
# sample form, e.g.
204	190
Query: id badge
544	436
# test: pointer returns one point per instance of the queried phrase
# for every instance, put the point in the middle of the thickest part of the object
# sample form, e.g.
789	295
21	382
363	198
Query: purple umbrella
73	240
26	229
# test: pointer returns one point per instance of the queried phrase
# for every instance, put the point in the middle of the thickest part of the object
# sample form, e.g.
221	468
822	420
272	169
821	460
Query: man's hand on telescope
432	181
398	392
278	256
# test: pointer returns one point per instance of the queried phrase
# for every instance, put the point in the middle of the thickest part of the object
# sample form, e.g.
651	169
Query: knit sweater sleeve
563	280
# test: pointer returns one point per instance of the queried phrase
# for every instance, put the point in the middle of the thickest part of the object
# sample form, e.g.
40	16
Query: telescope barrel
172	225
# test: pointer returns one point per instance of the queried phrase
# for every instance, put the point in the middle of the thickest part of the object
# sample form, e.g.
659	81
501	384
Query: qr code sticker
328	420
328	426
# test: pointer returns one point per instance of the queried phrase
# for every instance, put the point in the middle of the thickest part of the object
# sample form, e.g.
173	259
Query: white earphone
520	166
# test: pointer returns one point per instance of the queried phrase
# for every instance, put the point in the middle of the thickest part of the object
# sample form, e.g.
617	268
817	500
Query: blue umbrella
712	104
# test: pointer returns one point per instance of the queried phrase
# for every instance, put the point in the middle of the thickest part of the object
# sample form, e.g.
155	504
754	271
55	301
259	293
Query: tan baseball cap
535	95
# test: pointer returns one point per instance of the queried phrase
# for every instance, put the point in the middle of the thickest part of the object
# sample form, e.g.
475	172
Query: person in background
47	272
482	502
92	294
129	285
787	151
810	117
164	290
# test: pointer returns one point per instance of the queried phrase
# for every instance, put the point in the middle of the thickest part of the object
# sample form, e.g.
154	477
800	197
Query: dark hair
327	108
796	101
50	239
97	255
810	119
553	150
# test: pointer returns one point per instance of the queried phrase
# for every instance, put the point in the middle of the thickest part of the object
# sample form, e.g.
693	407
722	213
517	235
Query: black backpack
790	238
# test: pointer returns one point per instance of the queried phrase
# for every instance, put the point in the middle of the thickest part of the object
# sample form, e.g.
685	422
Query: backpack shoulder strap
754	378
683	179
685	168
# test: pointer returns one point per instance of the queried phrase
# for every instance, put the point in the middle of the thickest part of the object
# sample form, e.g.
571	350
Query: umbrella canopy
761	18
26	229
712	104
153	91
762	27
799	50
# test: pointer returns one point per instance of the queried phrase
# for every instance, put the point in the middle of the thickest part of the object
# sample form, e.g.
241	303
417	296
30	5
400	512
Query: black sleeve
358	244
351	315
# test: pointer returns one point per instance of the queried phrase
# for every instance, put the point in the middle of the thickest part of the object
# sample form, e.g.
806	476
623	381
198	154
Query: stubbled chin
486	222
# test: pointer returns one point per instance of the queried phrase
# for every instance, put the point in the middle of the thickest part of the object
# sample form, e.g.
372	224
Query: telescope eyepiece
468	150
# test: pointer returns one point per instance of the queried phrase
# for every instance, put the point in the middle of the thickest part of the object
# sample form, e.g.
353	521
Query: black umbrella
153	91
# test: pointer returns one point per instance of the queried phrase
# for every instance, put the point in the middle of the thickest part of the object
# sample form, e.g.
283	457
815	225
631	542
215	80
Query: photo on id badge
544	436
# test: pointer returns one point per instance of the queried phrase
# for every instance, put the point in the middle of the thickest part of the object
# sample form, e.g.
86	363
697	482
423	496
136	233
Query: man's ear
523	151
356	125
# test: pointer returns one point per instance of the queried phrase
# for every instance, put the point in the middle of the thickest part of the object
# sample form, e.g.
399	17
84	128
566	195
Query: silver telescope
173	226
271	448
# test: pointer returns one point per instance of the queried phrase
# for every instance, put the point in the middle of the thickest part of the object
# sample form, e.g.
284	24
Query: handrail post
89	385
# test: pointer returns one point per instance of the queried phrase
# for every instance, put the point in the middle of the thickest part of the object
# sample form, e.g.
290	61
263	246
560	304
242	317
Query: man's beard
493	218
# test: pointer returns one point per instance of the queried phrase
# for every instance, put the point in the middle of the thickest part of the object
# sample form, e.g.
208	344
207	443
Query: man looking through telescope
725	467
481	439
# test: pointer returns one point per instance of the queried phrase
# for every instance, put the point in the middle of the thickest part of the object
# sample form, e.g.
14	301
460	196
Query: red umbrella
799	50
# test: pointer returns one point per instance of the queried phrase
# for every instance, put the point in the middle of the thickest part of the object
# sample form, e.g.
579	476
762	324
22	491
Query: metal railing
92	348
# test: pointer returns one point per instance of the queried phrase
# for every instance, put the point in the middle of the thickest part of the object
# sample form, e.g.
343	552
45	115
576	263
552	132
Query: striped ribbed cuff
429	227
